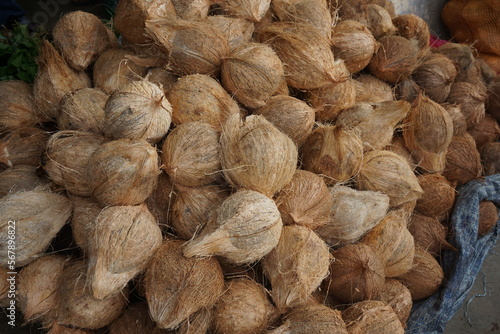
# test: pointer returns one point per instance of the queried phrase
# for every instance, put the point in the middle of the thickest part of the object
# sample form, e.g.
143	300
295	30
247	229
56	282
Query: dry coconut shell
397	296
296	267
139	110
53	80
435	76
395	60
252	73
486	131
429	234
334	152
307	58
458	119
75	305
17	105
411	26
192	10
177	287
425	277
194	207
66	158
330	100
317	319
162	77
372	317
199	97
290	115
83	110
23	146
370	89
256	155
247	227
391	174
353	213
354	43
463	162
20	178
38	216
83	219
37	284
438	197
379	21
471	99
408	90
243	308
305	201
356	273
199	322
134	320
80	37
490	158
237	31
488	217
252	10
123	172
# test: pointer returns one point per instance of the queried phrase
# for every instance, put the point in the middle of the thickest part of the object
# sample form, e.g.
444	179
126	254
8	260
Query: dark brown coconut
490	158
372	317
486	131
429	234
397	296
379	21
123	172
457	117
4	287
330	100
83	219
20	178
252	10
17	105
461	55
160	202
471	99
438	197
237	31
134	320
463	162
201	98
411	26
38	216
370	89
435	76
177	287
488	217
23	146
493	102
408	90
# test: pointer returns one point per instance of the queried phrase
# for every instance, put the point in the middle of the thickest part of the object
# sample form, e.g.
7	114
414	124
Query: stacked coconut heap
239	167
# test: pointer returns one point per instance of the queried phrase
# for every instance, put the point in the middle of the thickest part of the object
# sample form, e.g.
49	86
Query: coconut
374	122
243	308
66	158
248	158
493	102
457	117
162	77
200	98
438	197
435	76
425	277
192	10
349	10
85	212
160	202
463	162
237	31
75	305
177	287
55	328
23	146
370	89
398	146
379	21
353	213
139	110
37	284
486	131
134	320
330	100
488	217
83	110
123	172
20	178
354	43
490	158
292	116
372	317
472	98
252	10
411	26
397	296
252	73
461	55
395	60
307	58
356	273
296	267
17	105
334	152
408	90
199	322
429	234
53	80
37	216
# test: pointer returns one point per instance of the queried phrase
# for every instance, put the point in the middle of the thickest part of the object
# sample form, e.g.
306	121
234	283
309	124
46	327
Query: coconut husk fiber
251	10
397	296
490	158
486	131
200	322
163	77
411	26
160	202
429	234
370	89
192	10
135	319
17	105
372	317
19	178
463	161
83	219
493	102
23	146
488	217
237	31
379	21
330	100
438	197
435	76
457	117
471	98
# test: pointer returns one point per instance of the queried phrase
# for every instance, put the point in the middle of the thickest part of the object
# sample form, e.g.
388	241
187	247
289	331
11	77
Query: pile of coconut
243	166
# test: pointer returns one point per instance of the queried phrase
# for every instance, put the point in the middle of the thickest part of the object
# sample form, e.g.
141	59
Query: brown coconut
370	89
354	43
356	273
20	178
334	152
139	110
411	26
55	328
134	320
397	296
201	98
252	10
488	217
66	158
457	117
244	308
177	287
192	10
471	98
247	227
438	197
390	174
395	60
160	202
408	90
330	100
252	73
486	131
490	158
23	146
53	80
463	162
123	172
353	213
83	219
372	317
17	105
162	77
435	76
398	146
290	115
429	234
493	102
307	58
462	55
38	216
296	267
200	322
237	31
379	21
248	158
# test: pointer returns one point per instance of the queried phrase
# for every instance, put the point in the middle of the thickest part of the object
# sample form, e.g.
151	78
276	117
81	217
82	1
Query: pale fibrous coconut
20	178
139	110
237	31
192	10
372	317
463	161
23	146
256	155
199	97
438	197
429	234
123	172
334	152
488	217
252	10
163	77
177	287
471	98
296	266
434	76
411	26
246	228
134	320
330	100
379	21
397	296
353	213
17	105
83	219
290	115
370	89
37	216
252	73
66	158
398	146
